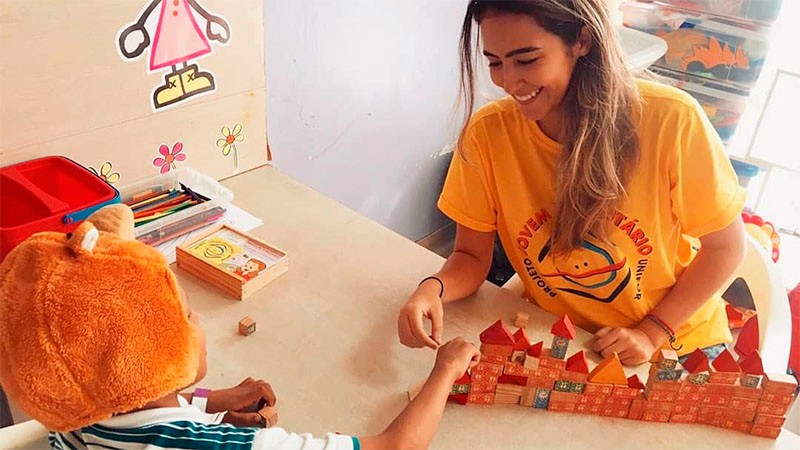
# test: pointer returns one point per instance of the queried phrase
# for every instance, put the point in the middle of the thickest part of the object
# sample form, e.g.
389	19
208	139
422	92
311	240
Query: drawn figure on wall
177	40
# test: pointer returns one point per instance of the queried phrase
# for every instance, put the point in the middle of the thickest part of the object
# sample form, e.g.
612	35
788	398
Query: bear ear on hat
115	219
83	239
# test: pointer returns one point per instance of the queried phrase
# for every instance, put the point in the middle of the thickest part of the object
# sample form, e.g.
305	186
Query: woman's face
531	64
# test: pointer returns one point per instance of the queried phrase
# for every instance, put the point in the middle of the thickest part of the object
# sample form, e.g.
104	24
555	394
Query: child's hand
455	357
631	344
242	402
423	304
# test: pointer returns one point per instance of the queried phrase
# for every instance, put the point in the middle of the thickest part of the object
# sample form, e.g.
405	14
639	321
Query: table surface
326	335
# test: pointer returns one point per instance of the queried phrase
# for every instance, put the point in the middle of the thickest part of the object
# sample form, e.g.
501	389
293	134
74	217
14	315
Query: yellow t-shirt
683	187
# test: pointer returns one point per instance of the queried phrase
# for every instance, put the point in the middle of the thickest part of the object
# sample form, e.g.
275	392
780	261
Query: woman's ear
584	43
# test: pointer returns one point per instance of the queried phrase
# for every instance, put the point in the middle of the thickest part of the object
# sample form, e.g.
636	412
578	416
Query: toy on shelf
764	233
722	393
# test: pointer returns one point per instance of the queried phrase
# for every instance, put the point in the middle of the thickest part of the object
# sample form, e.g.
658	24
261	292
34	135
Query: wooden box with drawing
236	262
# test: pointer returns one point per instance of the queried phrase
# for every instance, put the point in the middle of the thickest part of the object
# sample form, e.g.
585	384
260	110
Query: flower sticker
228	142
168	157
106	173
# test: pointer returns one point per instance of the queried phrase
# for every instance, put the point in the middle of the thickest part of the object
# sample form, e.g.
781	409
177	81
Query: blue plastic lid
744	169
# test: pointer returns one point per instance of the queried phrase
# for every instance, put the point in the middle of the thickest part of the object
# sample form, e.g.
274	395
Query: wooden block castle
722	393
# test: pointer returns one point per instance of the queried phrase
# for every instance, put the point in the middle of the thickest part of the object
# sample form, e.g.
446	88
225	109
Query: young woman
613	197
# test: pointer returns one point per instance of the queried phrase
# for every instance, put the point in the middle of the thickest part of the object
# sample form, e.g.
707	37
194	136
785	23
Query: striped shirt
186	427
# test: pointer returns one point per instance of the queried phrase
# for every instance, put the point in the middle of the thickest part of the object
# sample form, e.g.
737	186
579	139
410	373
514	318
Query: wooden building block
658	374
775	409
776	397
592	399
563	397
456	389
528	396
540	382
609	371
747	392
484	377
497	334
535	350
547	360
547	372
519	357
666	359
720	389
683	417
574	377
619	401
688	398
542	398
461	399
577	388
626	392
661	396
698	378
697	362
521	320
493	359
514	369
601	389
620	411
765	431
531	363
481	398
497	350
247	326
708	410
664	386
742	427
744	404
685	409
584	408
655	416
562	385
509	389
506	399
749	380
769	420
558	348
637	408
488	368
716	420
658	406
715	400
269	416
780	384
560	406
723	378
739	415
482	387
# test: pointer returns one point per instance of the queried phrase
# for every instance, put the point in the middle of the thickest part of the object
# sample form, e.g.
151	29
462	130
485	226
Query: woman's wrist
432	285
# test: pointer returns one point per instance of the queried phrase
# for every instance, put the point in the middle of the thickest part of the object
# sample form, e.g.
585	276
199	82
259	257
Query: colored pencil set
156	203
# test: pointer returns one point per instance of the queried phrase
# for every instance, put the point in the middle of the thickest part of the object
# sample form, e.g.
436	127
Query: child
96	341
600	187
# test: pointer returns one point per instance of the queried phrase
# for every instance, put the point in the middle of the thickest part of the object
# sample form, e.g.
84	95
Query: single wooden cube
269	416
247	326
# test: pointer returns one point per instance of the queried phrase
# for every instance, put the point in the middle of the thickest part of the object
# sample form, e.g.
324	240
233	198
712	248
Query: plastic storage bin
218	196
47	194
723	106
745	172
703	45
748	10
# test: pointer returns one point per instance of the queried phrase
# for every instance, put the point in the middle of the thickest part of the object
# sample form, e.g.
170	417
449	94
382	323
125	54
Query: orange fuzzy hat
91	324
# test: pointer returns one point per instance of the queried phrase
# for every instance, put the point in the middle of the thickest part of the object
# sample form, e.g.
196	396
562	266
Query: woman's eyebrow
513	52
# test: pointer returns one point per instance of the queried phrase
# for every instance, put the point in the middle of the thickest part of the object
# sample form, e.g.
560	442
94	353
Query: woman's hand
242	402
633	345
424	303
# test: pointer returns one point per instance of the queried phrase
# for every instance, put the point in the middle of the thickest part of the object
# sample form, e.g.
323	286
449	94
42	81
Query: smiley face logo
591	272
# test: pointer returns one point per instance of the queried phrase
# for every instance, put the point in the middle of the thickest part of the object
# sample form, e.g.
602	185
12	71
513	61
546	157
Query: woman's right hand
424	303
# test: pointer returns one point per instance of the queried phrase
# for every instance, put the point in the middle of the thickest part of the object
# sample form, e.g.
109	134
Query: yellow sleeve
466	196
705	192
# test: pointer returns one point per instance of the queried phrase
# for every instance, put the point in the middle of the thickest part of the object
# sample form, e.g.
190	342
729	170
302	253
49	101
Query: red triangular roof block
747	342
563	328
497	334
697	362
733	313
535	350
577	363
634	382
521	340
751	365
725	363
464	379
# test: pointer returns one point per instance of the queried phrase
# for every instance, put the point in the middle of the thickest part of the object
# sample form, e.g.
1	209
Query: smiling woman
597	184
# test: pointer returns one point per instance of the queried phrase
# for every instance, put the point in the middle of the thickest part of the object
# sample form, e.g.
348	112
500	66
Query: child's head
92	325
562	64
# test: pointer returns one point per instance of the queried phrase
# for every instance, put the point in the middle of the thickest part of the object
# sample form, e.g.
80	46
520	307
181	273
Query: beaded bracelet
441	284
663	325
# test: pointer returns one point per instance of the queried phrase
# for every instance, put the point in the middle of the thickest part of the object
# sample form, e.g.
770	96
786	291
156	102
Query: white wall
360	96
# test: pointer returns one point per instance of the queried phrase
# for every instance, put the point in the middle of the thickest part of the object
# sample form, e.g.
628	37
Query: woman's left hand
631	344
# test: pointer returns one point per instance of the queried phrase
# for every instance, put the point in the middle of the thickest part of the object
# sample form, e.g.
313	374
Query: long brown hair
600	147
